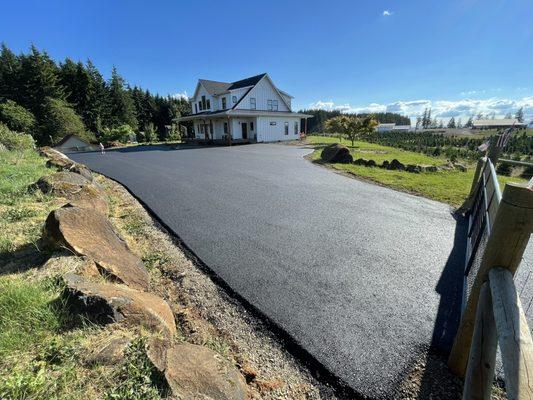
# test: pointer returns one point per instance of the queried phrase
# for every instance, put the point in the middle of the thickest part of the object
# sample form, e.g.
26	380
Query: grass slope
450	187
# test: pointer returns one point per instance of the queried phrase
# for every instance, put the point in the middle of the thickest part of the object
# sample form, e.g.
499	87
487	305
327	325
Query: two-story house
252	109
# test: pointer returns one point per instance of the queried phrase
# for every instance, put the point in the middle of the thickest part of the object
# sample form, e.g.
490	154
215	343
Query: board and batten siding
267	132
262	92
198	98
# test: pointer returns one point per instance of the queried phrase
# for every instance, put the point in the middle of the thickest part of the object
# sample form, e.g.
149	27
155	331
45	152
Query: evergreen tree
459	123
520	115
451	123
9	74
121	107
508	116
470	122
16	117
95	111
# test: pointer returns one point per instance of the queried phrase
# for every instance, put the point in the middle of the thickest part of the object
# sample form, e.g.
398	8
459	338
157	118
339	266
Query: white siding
267	132
198	98
237	93
262	92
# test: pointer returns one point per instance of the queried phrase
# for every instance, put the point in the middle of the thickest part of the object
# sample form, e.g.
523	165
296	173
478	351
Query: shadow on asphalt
450	288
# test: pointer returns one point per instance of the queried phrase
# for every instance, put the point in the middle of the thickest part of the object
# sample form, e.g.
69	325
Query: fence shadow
450	289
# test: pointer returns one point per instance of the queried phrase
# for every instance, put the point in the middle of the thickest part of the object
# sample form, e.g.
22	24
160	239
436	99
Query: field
450	187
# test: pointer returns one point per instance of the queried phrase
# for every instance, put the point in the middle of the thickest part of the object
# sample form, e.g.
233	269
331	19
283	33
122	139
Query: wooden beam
512	228
482	360
513	334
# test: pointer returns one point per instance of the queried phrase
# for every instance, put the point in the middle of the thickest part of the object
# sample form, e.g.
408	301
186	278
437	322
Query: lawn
450	187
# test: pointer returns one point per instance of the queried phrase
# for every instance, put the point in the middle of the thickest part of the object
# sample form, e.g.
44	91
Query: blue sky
459	57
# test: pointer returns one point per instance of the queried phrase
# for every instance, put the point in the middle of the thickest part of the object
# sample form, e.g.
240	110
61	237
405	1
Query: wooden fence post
482	360
513	335
510	234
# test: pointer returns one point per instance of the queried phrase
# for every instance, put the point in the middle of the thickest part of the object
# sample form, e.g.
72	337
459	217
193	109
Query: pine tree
470	122
9	74
520	115
459	123
95	111
121	107
451	123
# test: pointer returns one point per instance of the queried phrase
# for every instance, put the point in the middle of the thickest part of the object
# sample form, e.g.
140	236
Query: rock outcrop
336	153
74	187
196	372
105	303
89	233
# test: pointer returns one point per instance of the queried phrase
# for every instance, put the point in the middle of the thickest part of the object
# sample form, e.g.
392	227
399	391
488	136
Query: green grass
450	187
376	152
22	211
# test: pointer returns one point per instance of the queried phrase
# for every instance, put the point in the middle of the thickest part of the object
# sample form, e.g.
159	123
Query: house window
272	123
234	99
200	105
223	103
252	103
225	127
272	105
203	103
195	108
295	127
286	128
208	104
251	126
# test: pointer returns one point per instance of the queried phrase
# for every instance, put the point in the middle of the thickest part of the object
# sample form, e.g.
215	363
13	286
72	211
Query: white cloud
183	95
387	13
442	109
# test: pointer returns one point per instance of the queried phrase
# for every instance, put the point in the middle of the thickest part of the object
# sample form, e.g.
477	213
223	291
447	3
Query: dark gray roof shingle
216	88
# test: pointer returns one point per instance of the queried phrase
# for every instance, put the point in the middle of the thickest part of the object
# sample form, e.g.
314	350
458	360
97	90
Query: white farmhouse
249	110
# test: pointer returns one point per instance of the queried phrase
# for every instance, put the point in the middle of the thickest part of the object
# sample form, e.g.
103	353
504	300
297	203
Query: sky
457	57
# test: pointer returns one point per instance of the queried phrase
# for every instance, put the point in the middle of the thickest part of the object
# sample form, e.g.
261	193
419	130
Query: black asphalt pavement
362	277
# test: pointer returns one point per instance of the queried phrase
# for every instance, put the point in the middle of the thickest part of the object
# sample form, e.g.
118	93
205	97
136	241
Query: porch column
229	132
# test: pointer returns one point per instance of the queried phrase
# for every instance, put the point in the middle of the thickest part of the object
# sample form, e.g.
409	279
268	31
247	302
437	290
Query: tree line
50	99
425	121
317	123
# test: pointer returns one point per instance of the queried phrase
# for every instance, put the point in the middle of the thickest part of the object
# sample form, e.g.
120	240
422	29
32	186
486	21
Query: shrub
174	133
123	133
16	117
15	140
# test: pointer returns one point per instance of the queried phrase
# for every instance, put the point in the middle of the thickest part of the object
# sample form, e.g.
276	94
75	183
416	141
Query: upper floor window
234	99
208	104
196	108
200	105
252	103
203	103
272	105
224	103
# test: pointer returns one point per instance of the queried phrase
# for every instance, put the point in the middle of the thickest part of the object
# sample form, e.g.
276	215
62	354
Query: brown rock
336	153
89	233
196	372
109	351
107	303
74	187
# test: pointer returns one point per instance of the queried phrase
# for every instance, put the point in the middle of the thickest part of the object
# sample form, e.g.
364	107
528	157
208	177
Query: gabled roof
69	136
215	87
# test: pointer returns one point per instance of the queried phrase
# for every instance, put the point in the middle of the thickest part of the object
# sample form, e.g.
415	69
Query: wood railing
500	226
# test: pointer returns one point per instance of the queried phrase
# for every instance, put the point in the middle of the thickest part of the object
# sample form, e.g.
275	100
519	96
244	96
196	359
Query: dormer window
208	104
196	108
203	103
234	99
224	103
252	103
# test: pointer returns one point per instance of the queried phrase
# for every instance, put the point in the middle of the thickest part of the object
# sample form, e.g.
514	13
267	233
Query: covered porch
222	128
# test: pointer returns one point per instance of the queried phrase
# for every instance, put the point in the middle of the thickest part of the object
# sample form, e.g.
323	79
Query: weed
155	260
137	378
18	213
218	345
134	224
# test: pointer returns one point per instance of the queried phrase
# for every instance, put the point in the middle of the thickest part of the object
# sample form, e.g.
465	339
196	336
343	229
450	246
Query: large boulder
61	161
89	233
74	187
336	153
196	372
105	303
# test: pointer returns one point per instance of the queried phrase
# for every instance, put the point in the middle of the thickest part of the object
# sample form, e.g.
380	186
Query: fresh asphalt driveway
361	277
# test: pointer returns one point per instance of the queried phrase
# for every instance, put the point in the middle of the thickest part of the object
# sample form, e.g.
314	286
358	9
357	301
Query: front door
244	130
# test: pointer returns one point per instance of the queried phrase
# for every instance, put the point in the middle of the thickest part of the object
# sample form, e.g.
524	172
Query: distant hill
316	124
